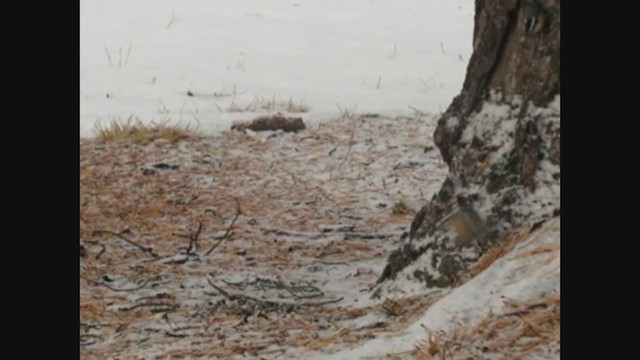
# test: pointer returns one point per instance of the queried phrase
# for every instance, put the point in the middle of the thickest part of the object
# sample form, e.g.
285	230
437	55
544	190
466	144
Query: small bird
466	223
532	16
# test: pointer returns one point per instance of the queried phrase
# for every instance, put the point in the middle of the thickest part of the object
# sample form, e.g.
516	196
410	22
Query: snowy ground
319	213
320	210
529	271
142	57
301	225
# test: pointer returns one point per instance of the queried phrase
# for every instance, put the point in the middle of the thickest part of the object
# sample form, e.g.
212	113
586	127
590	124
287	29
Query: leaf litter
248	244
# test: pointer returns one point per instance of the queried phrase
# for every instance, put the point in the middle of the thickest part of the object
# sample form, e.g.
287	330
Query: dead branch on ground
226	234
193	239
100	283
146	249
269	304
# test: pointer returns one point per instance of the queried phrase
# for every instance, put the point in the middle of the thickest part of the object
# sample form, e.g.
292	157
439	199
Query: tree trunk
501	139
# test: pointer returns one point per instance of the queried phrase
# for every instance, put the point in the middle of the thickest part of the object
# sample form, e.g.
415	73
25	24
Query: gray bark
497	178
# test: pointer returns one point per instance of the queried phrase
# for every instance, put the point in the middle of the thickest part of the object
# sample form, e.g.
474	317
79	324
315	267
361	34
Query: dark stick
269	302
346	235
101	251
220	290
226	234
143	248
193	239
85	339
330	262
123	290
175	335
160	305
323	302
114	289
370	236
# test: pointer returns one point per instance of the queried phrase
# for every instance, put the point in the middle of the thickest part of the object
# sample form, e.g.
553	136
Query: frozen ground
304	223
320	210
142	57
530	271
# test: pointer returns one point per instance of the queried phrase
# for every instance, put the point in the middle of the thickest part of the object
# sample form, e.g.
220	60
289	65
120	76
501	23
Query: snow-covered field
142	57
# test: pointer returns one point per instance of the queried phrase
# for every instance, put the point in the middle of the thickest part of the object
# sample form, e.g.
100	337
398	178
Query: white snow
512	276
139	58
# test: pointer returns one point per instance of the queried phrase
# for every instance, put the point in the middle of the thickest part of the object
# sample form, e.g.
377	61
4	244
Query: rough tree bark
504	164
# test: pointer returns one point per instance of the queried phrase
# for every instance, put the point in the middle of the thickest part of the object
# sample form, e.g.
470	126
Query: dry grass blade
259	103
140	133
532	328
489	258
287	192
538	250
322	342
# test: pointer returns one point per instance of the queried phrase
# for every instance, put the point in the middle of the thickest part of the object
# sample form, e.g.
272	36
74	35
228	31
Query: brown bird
466	223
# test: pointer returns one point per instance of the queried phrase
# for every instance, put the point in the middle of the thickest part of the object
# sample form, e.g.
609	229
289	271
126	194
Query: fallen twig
223	292
292	233
269	303
124	290
293	289
348	150
330	262
226	234
86	327
323	302
161	295
161	306
114	289
281	232
525	311
102	250
84	339
193	239
170	334
148	250
369	236
346	234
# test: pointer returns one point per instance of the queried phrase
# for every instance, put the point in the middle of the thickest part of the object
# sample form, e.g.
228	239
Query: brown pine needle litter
299	224
539	249
314	225
524	328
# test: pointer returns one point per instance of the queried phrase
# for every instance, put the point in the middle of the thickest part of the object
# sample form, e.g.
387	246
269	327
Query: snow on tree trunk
501	139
